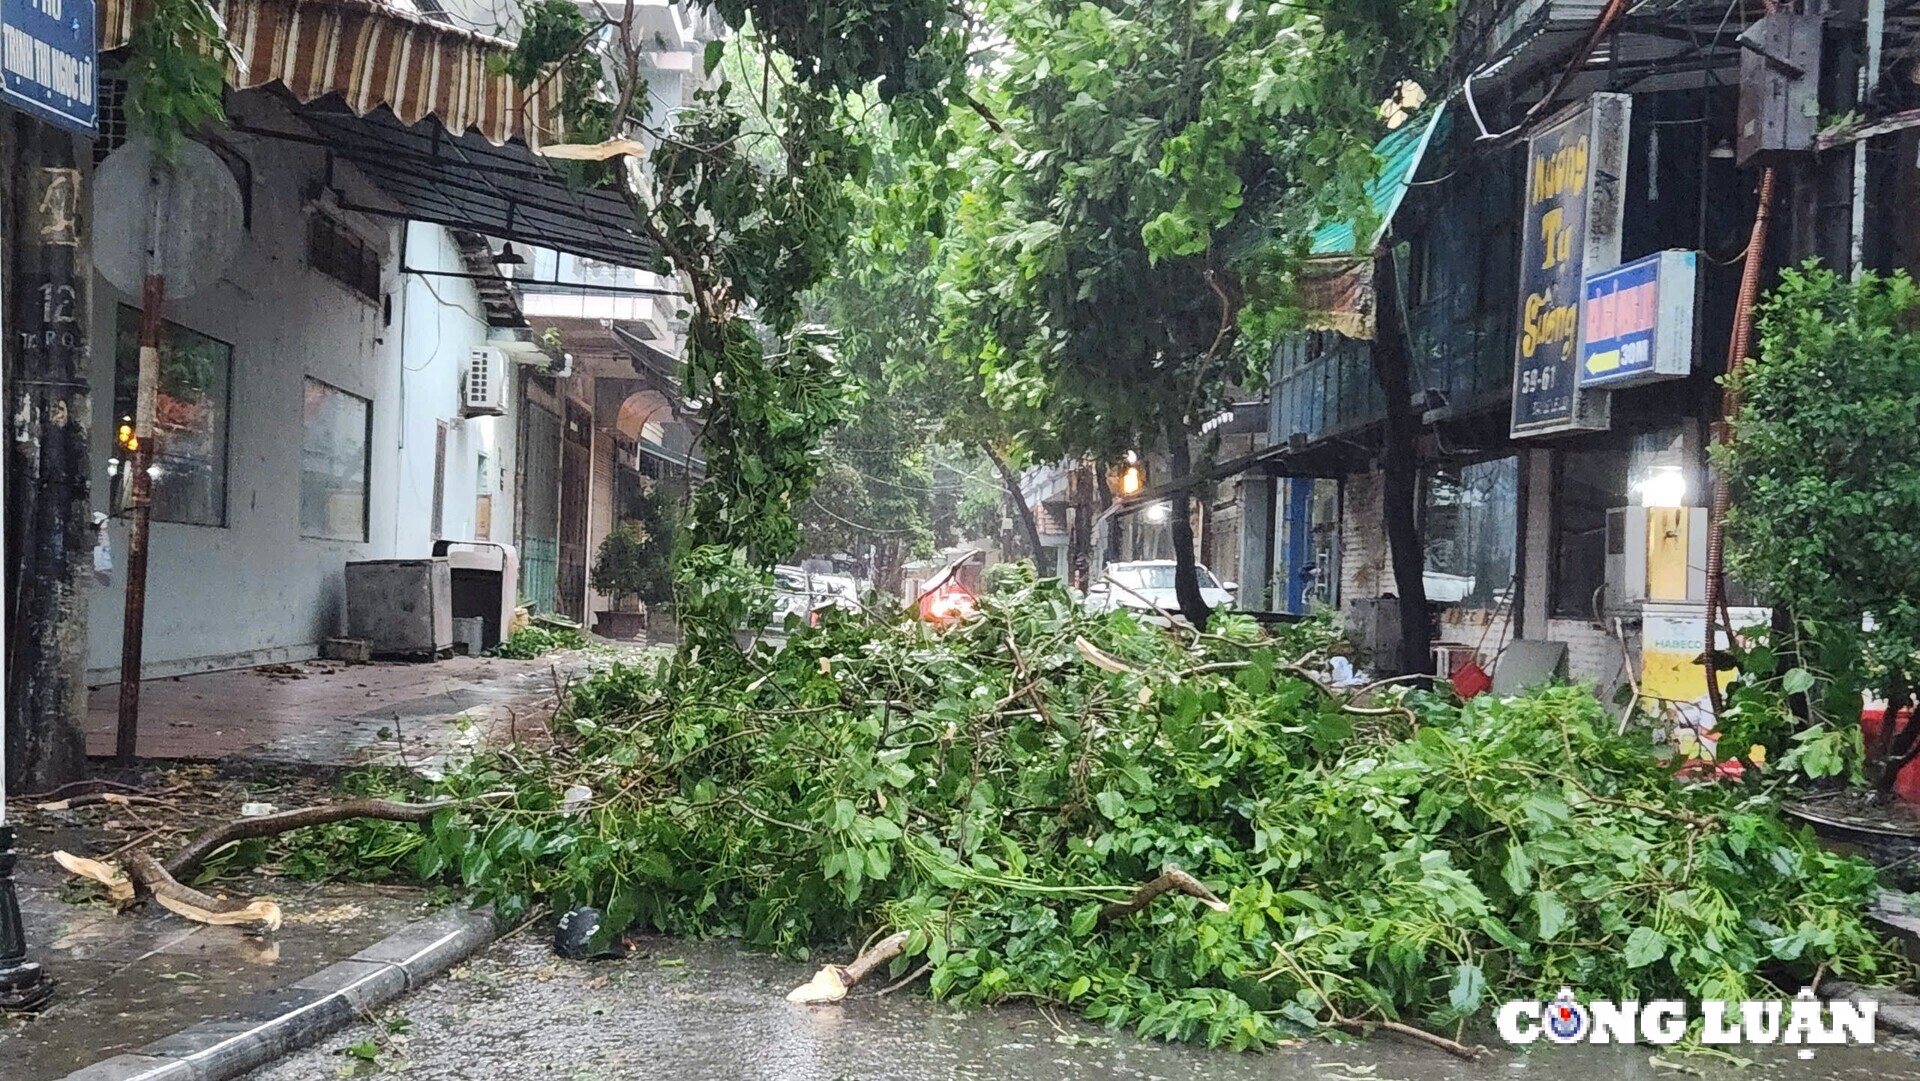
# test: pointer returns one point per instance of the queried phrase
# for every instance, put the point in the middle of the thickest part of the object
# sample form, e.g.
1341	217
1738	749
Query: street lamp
23	984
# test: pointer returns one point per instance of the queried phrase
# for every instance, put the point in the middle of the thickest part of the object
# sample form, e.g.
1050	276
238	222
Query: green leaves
1468	988
1513	844
1644	946
1825	486
1552	914
176	70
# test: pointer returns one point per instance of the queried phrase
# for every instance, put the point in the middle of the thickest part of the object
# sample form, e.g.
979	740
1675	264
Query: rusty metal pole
153	296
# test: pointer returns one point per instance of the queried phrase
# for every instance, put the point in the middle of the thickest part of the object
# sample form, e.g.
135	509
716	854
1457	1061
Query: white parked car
802	593
1146	587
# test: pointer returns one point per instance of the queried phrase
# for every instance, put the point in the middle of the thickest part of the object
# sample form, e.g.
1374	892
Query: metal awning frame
465	182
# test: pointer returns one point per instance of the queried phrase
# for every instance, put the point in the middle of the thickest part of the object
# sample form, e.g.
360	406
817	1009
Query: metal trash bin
401	607
486	583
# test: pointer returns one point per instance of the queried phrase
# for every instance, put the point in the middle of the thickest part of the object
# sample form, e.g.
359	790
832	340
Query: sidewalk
327	713
126	980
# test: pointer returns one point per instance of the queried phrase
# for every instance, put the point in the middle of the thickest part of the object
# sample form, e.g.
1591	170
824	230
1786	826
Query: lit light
948	604
153	470
113	467
1159	512
1130	481
1666	486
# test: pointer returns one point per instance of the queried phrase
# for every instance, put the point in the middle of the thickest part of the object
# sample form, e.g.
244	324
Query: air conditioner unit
1667	563
484	393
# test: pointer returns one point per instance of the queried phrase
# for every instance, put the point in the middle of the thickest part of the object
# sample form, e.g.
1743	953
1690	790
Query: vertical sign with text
49	56
1570	226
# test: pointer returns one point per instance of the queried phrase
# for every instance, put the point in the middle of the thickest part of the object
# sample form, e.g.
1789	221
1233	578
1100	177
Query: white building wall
442	319
257	590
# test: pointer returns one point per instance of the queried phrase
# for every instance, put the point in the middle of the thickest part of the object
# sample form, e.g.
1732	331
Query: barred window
345	256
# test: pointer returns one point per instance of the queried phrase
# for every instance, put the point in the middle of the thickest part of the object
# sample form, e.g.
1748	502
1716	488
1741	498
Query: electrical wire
862	526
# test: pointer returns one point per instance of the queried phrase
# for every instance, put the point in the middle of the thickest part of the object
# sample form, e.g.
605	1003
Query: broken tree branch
1451	1047
189	859
151	878
1173	880
830	984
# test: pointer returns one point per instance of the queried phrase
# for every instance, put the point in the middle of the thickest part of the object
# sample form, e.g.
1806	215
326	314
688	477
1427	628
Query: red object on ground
1907	785
1469	679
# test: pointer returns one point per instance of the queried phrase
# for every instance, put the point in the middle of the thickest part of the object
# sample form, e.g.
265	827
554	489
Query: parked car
1146	587
802	593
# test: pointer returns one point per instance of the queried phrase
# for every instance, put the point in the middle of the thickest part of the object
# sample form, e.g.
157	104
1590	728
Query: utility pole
48	509
47	401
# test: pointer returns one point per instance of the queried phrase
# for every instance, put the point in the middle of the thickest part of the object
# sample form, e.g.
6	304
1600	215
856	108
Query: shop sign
1637	322
49	56
1576	167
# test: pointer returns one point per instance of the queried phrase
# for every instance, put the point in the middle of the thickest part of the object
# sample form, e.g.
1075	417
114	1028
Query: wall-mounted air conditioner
1656	553
484	390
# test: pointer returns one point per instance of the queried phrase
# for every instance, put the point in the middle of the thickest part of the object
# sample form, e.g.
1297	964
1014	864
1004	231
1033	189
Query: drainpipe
1730	405
1869	82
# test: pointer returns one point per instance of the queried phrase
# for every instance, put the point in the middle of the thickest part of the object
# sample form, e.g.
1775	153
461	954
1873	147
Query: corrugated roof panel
1399	155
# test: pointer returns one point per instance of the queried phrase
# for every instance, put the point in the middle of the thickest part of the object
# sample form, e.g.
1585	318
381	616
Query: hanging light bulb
509	257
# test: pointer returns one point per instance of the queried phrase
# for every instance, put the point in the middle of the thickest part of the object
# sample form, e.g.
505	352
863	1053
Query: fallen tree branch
831	983
142	876
153	879
188	859
1173	880
1451	1047
92	799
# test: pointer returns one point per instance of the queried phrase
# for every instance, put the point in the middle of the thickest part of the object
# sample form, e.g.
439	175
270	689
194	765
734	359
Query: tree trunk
1186	574
1083	483
1393	370
1028	524
48	511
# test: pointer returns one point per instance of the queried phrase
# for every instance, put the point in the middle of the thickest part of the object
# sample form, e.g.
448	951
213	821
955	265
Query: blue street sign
49	51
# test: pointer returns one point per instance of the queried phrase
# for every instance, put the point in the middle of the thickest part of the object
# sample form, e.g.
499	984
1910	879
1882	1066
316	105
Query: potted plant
633	569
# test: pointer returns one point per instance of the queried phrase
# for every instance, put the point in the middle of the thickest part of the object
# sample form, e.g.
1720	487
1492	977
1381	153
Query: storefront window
1659	468
1471	525
333	463
1586	485
189	420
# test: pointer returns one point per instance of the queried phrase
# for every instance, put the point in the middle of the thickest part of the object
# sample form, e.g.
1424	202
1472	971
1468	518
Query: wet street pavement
328	713
123	980
708	1011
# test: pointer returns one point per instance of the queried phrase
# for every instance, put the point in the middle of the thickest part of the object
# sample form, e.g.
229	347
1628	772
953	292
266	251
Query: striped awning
372	55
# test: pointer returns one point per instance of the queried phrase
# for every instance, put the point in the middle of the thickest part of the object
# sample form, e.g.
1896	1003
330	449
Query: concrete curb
278	1022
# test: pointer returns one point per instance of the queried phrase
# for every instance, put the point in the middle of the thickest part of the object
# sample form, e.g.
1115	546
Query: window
189	419
1586	484
1472	523
337	251
1656	468
333	463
